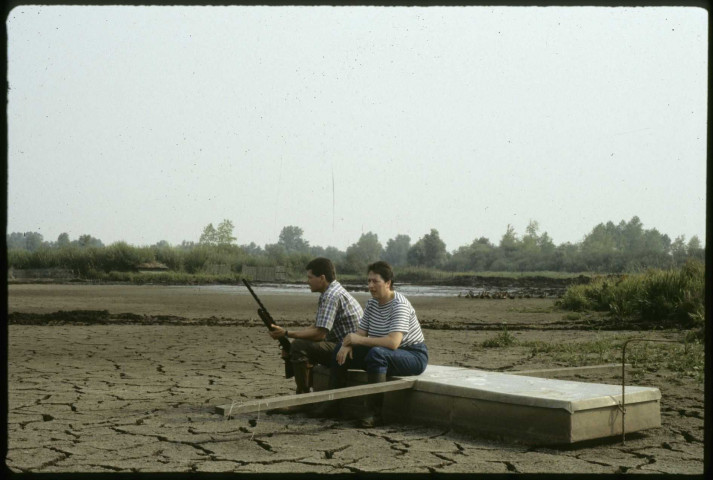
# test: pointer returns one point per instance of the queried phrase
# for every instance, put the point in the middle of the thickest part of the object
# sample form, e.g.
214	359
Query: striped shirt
338	312
397	315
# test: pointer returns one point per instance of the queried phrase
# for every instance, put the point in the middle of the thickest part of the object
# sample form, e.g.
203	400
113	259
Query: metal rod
623	376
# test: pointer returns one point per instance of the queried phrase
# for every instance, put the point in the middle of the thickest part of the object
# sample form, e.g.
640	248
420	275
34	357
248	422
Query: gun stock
269	322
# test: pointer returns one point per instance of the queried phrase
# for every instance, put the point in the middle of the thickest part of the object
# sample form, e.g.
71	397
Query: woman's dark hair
384	270
322	266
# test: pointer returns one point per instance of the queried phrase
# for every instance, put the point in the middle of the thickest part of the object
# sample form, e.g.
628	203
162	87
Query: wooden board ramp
263	404
509	406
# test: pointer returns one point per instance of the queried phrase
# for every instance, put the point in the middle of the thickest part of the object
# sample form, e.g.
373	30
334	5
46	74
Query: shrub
576	298
661	298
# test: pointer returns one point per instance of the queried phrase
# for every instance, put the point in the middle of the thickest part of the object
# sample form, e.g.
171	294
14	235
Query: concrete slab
517	408
525	390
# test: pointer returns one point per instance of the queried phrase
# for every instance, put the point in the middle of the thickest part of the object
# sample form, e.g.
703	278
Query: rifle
269	322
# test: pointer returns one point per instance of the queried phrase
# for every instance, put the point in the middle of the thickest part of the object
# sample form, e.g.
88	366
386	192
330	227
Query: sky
142	124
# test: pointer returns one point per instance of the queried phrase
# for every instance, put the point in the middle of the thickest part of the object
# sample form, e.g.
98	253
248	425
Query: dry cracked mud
141	397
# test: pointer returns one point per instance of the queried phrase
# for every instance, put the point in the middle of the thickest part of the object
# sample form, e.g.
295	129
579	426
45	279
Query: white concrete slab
514	407
530	391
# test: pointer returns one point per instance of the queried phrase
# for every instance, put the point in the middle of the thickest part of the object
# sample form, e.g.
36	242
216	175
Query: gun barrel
267	318
247	284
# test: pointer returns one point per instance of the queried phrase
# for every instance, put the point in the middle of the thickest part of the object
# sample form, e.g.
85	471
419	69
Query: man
338	315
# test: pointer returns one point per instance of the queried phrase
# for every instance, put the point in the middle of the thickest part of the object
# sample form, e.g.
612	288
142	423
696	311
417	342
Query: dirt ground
137	394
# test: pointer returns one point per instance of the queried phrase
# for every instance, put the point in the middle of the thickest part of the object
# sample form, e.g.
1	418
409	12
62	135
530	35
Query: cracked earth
141	397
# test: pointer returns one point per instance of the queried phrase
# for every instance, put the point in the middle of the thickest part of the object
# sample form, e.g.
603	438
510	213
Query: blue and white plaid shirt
338	312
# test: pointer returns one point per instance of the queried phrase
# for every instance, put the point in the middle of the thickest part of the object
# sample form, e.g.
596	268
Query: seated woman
388	340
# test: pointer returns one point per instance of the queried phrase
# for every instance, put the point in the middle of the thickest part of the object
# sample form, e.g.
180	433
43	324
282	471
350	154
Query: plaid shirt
338	312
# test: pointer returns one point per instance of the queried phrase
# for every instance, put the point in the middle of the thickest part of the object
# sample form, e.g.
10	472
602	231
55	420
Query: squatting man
338	315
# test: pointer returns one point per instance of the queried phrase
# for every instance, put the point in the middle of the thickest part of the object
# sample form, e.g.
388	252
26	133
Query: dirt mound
537	281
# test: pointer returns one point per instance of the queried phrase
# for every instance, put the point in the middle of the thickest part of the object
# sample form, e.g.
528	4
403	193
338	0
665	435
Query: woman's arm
391	341
348	339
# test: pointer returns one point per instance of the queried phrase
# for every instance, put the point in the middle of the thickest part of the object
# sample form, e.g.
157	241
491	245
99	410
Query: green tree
253	249
291	239
33	241
600	249
694	243
365	251
547	246
528	253
224	233
396	252
428	251
86	240
63	240
209	235
276	253
505	255
679	250
15	240
632	235
482	254
509	241
567	258
333	253
694	249
30	241
435	249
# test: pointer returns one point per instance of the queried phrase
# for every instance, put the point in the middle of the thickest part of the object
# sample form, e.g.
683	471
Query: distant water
303	289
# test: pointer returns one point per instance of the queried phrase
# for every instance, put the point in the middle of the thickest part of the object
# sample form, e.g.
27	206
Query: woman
388	340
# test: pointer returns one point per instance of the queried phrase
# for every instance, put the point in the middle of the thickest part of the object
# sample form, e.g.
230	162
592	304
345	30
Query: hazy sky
147	123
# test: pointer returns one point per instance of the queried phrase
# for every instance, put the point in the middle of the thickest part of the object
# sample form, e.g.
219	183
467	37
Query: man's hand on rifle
277	332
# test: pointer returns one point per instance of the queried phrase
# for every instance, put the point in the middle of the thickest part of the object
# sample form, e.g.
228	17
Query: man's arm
315	334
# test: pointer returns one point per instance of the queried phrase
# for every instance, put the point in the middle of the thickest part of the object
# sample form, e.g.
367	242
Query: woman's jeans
411	360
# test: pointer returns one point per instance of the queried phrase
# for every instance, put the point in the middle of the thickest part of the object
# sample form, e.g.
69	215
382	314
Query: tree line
610	248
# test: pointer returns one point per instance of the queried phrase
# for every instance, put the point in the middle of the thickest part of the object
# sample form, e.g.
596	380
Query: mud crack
329	454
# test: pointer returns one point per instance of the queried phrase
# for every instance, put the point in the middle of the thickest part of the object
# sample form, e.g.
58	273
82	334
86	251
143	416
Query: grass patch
686	358
503	339
658	298
576	354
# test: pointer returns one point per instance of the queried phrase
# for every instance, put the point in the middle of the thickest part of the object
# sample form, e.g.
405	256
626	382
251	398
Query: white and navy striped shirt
397	315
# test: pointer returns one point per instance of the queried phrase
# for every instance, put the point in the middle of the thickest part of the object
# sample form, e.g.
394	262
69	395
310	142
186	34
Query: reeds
660	298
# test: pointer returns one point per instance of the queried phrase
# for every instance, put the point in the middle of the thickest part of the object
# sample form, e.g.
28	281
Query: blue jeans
411	360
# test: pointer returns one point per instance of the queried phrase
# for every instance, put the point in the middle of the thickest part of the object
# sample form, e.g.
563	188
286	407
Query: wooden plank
314	397
566	371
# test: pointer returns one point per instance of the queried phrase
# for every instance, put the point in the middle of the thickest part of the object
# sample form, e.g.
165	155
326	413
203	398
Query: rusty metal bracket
622	406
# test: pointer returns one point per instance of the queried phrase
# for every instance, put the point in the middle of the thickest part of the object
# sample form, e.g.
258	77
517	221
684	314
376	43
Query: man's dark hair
384	269
322	266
